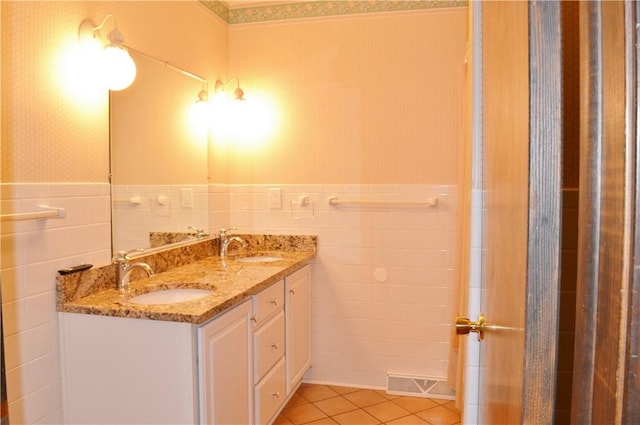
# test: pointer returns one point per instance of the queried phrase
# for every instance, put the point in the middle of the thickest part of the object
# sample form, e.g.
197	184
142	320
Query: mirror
159	190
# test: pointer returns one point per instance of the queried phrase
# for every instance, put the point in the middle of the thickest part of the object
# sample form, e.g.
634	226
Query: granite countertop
232	282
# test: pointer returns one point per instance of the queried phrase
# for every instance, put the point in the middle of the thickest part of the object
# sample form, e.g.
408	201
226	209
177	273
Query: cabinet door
225	353
298	323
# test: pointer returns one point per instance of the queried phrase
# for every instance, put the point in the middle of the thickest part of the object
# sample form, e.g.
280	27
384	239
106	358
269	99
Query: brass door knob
464	326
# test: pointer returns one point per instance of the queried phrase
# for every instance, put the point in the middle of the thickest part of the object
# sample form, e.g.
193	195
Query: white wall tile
353	315
31	253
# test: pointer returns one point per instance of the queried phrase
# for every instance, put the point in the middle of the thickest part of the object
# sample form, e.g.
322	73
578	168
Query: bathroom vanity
232	357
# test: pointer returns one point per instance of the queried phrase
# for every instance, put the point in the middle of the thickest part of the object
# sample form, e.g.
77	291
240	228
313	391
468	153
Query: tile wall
32	252
160	209
472	373
382	281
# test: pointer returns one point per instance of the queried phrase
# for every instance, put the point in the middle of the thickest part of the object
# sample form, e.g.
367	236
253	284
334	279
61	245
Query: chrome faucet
199	232
123	267
225	241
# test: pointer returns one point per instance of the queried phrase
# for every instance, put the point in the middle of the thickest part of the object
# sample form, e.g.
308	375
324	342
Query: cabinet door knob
276	394
274	302
274	345
292	291
254	319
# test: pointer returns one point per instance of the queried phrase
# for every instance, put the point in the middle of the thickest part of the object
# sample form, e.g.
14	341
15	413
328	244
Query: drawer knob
274	302
276	394
274	345
292	291
254	319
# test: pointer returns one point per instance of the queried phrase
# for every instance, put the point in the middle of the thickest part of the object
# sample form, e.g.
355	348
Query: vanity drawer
267	302
270	394
268	345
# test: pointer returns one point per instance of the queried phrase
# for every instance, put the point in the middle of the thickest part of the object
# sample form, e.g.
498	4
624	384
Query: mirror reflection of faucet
200	234
225	241
124	268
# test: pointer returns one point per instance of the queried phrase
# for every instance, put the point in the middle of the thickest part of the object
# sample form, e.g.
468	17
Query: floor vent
419	387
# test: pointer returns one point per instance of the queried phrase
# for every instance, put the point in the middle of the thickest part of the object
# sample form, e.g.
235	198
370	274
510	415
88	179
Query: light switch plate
186	198
275	198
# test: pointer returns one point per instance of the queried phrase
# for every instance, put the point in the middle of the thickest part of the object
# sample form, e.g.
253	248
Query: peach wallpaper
352	107
52	128
153	140
46	134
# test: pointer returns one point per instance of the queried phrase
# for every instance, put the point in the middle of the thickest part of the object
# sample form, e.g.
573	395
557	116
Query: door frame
606	377
545	203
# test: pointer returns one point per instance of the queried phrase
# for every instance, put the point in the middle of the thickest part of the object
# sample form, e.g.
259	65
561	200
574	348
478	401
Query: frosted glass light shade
118	68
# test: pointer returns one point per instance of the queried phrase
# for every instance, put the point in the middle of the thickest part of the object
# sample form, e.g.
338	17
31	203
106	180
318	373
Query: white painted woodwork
298	325
225	350
267	302
127	371
268	345
270	394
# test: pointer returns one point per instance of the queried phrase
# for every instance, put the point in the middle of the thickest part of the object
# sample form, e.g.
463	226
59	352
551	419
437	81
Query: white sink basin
260	259
171	296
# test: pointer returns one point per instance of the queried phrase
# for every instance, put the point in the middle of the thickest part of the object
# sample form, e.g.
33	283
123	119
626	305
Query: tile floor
329	405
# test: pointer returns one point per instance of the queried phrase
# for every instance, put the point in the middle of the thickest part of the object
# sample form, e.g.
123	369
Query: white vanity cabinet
298	319
238	368
127	371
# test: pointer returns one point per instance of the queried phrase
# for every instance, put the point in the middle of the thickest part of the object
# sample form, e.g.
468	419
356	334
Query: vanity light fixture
200	110
116	65
203	95
238	92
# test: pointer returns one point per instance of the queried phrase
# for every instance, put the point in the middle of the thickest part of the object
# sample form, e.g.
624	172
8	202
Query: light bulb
118	68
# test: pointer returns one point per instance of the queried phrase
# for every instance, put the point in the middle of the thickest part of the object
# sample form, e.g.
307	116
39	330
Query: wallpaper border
321	8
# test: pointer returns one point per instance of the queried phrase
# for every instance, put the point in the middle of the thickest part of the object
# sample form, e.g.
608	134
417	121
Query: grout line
333	394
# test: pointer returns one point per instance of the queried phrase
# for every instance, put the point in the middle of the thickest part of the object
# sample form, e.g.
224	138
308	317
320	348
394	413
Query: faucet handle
123	256
223	232
199	231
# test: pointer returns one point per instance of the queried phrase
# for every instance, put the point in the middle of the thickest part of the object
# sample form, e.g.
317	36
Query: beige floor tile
338	405
387	395
282	420
451	405
303	414
317	392
297	400
407	420
335	405
442	401
386	411
415	404
356	417
439	416
343	390
364	398
323	421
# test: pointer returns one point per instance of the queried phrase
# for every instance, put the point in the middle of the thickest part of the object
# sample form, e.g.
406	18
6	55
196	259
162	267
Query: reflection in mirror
158	159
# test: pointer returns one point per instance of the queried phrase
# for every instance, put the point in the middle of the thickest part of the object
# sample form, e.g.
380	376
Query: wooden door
606	378
521	231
